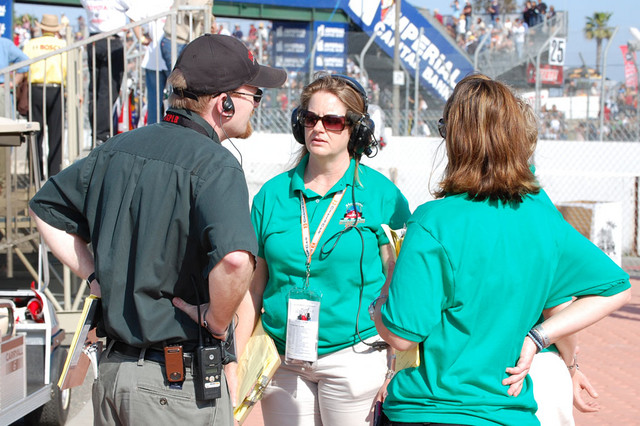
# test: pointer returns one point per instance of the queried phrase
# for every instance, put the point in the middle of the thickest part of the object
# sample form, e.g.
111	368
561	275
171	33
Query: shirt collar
297	180
196	118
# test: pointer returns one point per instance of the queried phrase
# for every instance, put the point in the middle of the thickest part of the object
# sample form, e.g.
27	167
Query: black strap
185	122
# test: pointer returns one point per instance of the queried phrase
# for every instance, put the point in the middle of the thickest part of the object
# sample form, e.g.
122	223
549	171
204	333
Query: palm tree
597	27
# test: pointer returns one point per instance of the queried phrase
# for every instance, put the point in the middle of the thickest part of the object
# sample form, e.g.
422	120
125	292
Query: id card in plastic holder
302	327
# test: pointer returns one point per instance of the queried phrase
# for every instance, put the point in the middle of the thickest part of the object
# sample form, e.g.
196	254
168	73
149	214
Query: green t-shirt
471	280
276	219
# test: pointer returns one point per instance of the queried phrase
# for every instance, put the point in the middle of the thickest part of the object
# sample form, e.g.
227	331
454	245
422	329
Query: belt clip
143	351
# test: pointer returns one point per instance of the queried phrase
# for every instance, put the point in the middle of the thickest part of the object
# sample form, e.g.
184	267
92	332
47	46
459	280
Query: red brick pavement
610	357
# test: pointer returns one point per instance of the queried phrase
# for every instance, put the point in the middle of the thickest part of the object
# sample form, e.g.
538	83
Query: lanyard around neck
185	122
309	245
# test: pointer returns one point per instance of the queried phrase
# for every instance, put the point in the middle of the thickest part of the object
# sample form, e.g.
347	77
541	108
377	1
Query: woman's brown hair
489	141
337	86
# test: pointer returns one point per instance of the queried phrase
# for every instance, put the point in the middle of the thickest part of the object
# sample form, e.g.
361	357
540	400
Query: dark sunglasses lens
310	119
442	128
333	122
258	96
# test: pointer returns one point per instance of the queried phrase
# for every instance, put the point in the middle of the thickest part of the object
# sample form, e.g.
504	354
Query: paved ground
609	356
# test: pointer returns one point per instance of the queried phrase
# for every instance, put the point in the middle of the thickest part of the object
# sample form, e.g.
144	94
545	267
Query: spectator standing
64	21
237	32
189	25
165	208
493	10
467	11
253	34
82	32
542	9
438	16
155	68
518	37
10	54
47	79
456	10
263	32
223	30
104	16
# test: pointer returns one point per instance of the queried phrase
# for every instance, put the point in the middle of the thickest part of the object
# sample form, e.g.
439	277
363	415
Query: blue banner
6	19
291	44
331	46
441	64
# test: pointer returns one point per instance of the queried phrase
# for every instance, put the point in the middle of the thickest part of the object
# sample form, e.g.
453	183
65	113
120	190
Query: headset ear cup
361	134
297	129
368	129
228	106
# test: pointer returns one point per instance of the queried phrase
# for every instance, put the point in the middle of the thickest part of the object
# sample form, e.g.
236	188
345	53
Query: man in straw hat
166	210
47	79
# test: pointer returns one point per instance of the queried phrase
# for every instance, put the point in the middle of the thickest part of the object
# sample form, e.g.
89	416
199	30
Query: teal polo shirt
276	219
472	278
161	206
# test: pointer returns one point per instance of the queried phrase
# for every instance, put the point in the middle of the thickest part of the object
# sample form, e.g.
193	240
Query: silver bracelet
543	335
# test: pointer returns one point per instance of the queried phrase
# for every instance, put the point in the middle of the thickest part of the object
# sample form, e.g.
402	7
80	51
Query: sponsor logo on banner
552	75
441	65
630	71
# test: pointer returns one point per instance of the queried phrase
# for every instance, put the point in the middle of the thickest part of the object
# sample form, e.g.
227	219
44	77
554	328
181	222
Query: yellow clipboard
410	358
256	367
77	362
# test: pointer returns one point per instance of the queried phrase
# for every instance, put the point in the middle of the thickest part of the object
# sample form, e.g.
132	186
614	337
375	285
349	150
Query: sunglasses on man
257	97
330	122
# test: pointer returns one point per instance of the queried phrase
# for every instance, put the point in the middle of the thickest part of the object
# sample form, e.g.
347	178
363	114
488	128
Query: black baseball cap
216	63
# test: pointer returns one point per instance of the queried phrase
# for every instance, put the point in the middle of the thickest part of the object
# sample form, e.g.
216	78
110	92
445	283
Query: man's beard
247	131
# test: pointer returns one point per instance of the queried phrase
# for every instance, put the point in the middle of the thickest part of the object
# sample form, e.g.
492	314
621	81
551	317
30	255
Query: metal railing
75	123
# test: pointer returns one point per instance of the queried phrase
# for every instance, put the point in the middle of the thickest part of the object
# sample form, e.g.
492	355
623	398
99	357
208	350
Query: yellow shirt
56	66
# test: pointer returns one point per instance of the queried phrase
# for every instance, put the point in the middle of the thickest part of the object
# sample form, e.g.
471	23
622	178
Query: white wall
569	171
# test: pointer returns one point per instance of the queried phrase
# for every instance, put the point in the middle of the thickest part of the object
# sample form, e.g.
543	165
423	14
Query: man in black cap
166	210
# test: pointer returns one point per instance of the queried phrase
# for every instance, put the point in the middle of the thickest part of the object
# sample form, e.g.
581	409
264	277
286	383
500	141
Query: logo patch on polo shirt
352	213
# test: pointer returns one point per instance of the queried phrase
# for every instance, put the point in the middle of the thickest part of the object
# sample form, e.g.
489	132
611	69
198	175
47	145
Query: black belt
150	354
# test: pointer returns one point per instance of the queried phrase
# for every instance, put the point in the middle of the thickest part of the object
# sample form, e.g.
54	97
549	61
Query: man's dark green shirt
160	205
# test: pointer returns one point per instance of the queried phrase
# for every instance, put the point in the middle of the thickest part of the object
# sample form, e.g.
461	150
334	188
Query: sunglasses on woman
330	122
442	128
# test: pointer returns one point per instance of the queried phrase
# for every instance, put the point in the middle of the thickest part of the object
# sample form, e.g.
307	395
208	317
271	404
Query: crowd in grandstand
508	32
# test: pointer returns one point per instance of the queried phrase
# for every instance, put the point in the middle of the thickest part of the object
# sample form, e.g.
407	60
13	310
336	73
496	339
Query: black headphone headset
228	106
362	139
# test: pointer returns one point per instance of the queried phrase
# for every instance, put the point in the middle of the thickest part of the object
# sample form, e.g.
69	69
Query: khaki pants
340	390
131	393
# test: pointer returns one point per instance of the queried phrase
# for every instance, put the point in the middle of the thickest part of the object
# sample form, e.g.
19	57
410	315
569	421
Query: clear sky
625	14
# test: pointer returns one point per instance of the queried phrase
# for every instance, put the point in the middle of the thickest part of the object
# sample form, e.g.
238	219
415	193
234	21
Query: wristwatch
90	278
372	306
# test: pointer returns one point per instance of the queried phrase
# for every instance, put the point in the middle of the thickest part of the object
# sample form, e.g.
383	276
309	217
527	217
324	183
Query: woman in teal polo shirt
477	268
323	256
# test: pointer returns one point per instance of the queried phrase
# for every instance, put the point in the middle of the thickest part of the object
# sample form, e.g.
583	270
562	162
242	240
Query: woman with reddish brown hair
478	266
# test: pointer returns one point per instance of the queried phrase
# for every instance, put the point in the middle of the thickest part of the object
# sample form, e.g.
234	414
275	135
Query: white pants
340	390
552	389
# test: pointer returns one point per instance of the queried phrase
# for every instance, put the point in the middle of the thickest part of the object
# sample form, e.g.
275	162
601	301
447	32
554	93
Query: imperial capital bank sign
441	65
